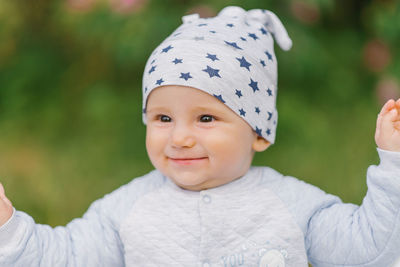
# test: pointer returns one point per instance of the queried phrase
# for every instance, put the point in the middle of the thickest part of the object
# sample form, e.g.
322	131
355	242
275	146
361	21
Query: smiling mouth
187	161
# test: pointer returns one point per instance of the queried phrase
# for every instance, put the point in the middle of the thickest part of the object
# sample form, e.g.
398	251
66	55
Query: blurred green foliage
70	93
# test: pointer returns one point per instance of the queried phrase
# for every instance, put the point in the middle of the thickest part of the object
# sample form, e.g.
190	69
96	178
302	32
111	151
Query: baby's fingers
397	106
389	105
385	109
387	135
397	125
389	120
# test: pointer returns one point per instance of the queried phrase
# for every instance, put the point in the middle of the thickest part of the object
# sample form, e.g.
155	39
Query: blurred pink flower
387	88
80	5
376	55
306	13
127	6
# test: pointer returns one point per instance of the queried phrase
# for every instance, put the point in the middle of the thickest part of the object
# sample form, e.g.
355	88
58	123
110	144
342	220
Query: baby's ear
260	144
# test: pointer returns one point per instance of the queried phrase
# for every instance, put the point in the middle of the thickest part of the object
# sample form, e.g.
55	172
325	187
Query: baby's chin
193	183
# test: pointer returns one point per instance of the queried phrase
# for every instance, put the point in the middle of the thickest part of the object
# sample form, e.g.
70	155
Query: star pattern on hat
233	44
262	62
212	72
238	93
212	57
258	131
166	49
252	35
269	115
257	110
159	81
185	76
219	97
244	63
153	68
177	61
242	112
269	92
254	85
243	39
268	55
263	31
230	25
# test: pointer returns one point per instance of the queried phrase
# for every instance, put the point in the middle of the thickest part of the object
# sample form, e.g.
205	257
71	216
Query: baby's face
196	140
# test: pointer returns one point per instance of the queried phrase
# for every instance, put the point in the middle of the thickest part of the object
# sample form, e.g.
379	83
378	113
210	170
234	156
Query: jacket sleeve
92	240
368	235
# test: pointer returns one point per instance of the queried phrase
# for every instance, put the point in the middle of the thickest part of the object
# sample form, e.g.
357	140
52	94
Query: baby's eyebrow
206	109
198	109
156	109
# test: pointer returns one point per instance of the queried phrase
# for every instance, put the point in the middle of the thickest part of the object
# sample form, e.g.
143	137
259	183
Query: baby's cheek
233	157
154	147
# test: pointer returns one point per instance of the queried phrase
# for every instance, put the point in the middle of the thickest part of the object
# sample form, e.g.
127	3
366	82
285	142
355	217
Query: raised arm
367	235
92	240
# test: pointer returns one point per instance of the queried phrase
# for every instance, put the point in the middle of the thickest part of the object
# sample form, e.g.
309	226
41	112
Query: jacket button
206	199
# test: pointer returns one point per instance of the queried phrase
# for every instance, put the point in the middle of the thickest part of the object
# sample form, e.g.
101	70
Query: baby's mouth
188	160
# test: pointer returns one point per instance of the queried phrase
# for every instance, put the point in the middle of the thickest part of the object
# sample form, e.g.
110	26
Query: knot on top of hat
232	11
265	17
190	18
273	25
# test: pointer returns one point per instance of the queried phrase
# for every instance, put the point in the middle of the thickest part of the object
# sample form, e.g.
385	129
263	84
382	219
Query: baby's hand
6	208
387	134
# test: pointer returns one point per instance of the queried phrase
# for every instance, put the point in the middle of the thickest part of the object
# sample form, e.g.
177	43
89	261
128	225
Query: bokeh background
70	93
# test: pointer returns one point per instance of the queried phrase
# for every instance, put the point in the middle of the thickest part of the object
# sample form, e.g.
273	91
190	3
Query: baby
209	94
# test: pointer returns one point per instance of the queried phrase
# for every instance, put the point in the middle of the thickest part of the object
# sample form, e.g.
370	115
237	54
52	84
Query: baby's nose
182	136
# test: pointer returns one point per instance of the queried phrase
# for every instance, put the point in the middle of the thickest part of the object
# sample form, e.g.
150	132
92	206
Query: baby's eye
206	118
164	118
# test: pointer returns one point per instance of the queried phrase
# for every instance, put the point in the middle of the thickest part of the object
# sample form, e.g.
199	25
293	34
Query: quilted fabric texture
229	226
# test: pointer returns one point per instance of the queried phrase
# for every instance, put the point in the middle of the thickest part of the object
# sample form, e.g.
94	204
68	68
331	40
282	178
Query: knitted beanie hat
230	56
